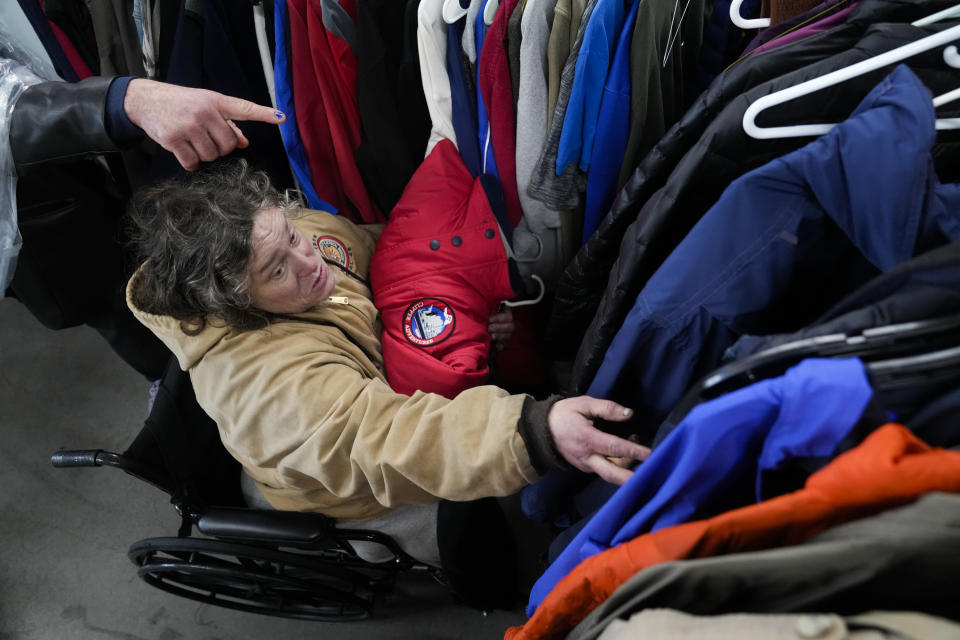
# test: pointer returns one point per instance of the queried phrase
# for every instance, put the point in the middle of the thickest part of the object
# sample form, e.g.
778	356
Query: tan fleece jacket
306	409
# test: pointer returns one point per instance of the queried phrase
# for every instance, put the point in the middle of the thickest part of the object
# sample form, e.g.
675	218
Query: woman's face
287	274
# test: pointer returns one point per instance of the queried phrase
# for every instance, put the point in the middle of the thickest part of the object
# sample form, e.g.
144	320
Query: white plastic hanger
489	11
524	303
950	56
952	12
746	23
452	11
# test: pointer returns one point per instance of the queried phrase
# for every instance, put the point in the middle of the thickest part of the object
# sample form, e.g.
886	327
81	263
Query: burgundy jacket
493	76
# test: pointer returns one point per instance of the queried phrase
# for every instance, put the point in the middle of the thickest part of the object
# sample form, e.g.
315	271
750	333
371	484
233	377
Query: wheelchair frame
279	563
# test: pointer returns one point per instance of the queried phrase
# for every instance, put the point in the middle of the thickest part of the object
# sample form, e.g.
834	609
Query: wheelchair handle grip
76	458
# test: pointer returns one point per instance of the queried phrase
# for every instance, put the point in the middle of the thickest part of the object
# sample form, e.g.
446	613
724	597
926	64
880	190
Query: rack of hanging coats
780	310
749	236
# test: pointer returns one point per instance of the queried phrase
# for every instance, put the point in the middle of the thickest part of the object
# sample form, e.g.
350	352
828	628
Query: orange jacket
890	468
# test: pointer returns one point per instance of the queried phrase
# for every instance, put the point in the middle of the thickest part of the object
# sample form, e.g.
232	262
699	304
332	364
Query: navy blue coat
782	241
686	172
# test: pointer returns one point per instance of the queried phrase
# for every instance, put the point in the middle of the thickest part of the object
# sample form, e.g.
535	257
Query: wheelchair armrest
275	527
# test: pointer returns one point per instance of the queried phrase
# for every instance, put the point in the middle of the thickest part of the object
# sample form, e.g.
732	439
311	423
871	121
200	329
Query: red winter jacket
439	272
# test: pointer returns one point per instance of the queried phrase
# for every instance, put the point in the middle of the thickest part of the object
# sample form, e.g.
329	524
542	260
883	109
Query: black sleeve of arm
536	436
60	121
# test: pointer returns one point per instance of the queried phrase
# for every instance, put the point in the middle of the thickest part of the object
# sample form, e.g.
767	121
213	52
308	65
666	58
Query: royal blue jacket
783	243
720	456
487	163
609	143
463	100
283	85
600	36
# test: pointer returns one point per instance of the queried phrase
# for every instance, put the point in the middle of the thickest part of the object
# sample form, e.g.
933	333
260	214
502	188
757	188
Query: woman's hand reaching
570	423
501	326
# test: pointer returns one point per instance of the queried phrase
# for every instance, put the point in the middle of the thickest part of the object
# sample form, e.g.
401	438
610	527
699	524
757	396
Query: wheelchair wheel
257	579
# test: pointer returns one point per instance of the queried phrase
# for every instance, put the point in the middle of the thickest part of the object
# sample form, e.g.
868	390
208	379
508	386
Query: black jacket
583	283
214	48
925	287
393	110
723	153
60	121
72	268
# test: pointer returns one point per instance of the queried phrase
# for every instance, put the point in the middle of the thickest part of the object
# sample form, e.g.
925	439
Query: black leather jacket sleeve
55	121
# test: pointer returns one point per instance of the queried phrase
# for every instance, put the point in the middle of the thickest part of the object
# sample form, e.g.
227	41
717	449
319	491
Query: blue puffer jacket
727	453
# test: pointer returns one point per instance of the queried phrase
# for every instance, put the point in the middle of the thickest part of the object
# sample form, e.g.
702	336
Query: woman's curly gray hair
194	240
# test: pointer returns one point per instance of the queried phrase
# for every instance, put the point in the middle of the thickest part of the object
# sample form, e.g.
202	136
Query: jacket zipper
345	301
348	272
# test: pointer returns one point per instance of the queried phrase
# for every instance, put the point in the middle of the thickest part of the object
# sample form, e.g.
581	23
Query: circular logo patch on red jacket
428	321
333	250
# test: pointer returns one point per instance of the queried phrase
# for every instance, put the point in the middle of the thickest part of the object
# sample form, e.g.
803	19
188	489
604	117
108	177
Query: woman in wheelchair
268	308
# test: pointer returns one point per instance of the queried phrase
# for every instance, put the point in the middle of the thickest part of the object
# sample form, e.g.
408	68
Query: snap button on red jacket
439	272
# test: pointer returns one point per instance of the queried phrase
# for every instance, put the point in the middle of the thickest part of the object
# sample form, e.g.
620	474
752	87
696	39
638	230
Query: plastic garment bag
19	69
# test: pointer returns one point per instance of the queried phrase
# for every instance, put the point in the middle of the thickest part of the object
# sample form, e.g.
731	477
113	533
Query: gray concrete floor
64	533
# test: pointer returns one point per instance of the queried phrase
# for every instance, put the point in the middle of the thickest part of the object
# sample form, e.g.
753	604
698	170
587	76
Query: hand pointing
194	124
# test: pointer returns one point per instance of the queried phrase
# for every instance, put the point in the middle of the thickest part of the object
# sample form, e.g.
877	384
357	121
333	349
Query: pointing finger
239	109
